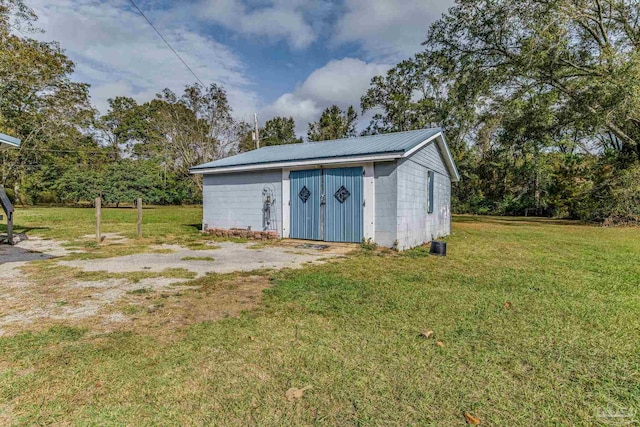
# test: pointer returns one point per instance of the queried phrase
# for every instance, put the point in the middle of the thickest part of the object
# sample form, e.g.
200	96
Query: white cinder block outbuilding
392	189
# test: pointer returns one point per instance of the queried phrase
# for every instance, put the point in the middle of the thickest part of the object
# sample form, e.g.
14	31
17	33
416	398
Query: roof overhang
438	138
444	150
311	162
7	141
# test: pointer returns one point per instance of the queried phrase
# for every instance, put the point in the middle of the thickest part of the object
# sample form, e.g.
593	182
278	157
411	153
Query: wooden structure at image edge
7	142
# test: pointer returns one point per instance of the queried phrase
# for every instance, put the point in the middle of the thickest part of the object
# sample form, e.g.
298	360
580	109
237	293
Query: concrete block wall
412	205
386	184
235	200
440	219
414	225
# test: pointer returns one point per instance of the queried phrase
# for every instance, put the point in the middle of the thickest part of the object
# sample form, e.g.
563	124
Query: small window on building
430	191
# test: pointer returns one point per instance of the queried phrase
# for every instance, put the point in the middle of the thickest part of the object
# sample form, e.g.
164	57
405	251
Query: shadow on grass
85	206
18	229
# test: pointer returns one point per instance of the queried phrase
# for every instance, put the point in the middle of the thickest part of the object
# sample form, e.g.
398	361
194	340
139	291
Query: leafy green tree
246	142
77	185
39	102
614	197
279	131
334	124
412	95
125	123
276	131
66	146
583	53
194	128
127	179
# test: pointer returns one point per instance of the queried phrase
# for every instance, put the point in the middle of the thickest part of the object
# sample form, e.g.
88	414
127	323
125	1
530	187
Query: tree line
539	100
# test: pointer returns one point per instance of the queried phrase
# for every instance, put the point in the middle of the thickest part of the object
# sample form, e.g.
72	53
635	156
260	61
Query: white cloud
119	53
280	20
302	110
389	29
340	82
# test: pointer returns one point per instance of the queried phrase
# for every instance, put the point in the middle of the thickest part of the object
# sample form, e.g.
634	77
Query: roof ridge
372	136
343	139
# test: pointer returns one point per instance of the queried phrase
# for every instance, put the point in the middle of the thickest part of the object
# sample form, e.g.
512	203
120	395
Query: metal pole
255	123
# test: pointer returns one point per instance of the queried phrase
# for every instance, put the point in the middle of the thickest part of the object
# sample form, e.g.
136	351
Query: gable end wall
414	225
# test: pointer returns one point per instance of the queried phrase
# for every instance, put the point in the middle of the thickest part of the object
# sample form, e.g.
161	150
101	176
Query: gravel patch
229	258
30	304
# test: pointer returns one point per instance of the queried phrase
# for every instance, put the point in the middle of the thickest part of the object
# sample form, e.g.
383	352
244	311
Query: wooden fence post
139	204
98	218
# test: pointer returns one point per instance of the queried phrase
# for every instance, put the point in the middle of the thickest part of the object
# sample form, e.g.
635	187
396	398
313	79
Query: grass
263	244
49	273
110	250
562	351
169	223
76	227
201	246
139	291
198	258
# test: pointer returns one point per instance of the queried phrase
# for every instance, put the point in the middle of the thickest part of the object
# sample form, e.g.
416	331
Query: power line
166	42
78	151
103	150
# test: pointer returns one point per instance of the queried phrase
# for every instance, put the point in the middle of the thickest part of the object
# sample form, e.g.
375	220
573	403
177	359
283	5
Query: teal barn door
305	199
343	210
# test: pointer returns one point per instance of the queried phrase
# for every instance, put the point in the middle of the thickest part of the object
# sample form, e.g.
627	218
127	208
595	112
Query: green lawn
567	347
166	222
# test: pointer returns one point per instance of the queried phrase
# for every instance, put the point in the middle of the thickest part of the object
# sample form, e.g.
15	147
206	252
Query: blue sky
274	57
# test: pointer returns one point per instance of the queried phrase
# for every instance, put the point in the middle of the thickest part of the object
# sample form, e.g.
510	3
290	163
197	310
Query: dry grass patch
61	295
197	258
50	274
50	294
201	246
168	312
93	250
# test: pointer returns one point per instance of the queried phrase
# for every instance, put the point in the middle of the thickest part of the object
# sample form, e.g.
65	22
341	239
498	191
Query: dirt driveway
47	282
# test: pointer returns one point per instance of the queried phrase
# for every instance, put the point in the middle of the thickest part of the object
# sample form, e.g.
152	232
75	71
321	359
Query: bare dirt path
227	258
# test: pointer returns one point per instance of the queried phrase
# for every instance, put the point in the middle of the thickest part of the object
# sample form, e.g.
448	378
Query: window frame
430	187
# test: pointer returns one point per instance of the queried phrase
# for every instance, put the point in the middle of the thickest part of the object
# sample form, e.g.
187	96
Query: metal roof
398	142
7	141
